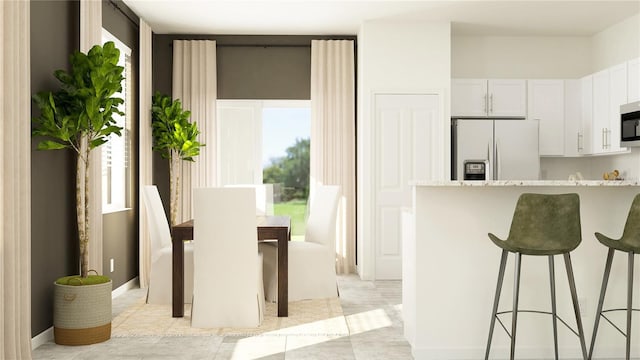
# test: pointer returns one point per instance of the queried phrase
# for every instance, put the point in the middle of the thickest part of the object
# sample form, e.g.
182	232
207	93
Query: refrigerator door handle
497	161
489	170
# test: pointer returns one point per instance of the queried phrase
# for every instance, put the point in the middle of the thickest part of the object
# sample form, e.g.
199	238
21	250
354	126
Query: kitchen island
450	268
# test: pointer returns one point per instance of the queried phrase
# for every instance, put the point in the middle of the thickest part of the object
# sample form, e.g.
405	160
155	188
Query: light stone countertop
457	183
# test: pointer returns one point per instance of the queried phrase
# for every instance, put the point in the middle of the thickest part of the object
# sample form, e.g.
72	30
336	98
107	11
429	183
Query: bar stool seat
542	225
630	244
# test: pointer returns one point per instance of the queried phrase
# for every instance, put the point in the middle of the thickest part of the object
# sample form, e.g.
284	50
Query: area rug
322	317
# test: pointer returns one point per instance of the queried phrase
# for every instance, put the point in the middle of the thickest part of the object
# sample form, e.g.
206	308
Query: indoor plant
79	116
176	139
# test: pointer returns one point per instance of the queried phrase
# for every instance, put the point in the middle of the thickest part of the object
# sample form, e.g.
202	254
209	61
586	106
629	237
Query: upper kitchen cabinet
573	126
633	80
546	103
609	92
585	135
617	97
488	98
600	112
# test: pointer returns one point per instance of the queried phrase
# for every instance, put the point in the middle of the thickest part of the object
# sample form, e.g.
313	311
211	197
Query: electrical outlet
112	265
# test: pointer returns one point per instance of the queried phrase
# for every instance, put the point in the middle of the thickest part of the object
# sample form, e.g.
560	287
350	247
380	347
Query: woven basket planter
82	314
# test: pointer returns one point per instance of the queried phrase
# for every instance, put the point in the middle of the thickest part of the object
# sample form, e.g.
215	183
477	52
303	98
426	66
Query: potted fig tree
176	139
80	116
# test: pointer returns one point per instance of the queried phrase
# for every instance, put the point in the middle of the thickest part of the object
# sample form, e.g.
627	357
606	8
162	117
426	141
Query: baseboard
131	284
47	335
42	338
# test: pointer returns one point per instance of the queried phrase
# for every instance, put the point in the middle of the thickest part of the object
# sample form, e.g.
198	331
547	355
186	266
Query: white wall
544	56
593	167
618	43
520	57
395	57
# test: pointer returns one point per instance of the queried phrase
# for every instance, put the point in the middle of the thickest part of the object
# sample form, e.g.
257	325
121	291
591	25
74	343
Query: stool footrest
611	322
535	312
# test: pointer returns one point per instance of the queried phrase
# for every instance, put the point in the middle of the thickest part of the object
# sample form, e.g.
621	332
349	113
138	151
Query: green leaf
50	145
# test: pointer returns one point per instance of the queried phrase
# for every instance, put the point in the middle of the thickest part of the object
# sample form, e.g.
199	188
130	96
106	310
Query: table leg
283	270
177	278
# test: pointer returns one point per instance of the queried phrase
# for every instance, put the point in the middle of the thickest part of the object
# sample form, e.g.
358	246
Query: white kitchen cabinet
609	92
617	97
546	104
488	98
573	133
585	137
633	80
507	97
600	121
469	97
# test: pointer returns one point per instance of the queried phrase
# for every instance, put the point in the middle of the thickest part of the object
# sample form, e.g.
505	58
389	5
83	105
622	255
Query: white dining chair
160	273
228	288
312	262
264	197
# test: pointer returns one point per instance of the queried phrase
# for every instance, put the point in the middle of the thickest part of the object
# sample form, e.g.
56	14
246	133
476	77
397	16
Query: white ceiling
298	17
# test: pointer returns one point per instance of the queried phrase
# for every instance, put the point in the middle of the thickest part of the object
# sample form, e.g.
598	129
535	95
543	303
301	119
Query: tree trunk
82	203
174	186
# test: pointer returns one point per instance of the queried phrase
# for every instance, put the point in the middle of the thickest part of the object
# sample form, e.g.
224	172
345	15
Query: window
116	153
286	138
267	141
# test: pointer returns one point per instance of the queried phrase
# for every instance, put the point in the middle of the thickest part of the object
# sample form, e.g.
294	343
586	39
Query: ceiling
331	17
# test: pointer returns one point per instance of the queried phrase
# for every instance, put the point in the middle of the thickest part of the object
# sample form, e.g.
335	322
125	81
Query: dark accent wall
120	229
248	67
54	245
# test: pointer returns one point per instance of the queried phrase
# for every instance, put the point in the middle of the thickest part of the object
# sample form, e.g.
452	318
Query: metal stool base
515	311
629	309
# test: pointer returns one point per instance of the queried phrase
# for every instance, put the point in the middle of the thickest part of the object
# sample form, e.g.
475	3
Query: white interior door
239	142
407	138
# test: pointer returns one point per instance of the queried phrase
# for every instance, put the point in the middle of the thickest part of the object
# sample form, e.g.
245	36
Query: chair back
264	197
225	258
544	221
321	223
156	219
631	233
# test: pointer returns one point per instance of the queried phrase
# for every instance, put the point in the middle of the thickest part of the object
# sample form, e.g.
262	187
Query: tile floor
372	310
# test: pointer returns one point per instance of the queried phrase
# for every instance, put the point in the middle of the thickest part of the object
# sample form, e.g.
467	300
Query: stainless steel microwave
630	124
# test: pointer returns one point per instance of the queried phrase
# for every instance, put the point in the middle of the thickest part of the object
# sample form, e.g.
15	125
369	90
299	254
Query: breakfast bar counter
450	269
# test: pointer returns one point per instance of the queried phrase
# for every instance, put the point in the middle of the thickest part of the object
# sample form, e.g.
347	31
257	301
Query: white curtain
194	83
145	148
333	135
15	181
90	35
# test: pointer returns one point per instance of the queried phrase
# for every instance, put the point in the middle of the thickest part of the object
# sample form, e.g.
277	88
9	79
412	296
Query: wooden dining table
269	228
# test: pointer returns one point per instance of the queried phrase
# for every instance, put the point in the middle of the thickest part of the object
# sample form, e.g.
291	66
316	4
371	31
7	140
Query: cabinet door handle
604	138
491	103
580	140
484	110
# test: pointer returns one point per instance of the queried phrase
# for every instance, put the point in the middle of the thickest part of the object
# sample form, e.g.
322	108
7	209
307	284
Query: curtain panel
15	180
333	135
145	148
194	83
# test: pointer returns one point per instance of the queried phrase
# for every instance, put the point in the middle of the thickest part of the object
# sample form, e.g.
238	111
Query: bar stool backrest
546	222
631	233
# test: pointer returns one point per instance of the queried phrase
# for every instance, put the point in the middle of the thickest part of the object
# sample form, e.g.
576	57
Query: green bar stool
542	225
629	243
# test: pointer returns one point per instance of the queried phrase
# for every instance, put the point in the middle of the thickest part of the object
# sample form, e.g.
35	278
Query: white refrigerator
508	146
